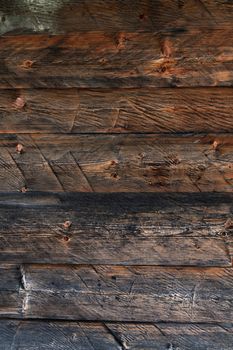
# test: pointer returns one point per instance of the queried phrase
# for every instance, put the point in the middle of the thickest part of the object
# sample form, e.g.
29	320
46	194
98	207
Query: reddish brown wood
116	163
186	57
116	111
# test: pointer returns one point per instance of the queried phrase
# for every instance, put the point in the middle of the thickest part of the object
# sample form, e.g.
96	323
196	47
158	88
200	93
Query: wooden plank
116	111
178	57
116	163
63	16
148	229
11	300
130	293
111	336
41	110
172	336
38	335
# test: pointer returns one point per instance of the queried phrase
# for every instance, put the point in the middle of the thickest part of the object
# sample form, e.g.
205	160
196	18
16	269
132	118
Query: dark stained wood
177	57
122	293
38	335
50	335
10	299
149	229
112	163
116	155
172	336
63	16
116	111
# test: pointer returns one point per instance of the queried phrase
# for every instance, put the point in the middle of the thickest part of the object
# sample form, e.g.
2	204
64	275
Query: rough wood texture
172	336
119	293
116	111
63	16
178	57
116	96
33	335
147	229
40	335
116	163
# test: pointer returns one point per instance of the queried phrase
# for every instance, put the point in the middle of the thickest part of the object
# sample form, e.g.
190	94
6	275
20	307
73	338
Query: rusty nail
19	148
24	189
67	224
19	103
215	145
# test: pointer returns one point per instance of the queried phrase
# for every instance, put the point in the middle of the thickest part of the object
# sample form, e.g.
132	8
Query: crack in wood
48	164
15	335
22	280
82	173
122	346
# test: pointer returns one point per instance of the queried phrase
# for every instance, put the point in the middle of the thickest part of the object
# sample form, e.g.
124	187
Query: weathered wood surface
63	16
120	293
36	335
116	111
172	336
40	335
82	110
159	229
116	163
178	57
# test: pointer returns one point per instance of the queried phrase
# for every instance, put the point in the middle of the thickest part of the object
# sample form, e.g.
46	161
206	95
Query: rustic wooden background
116	174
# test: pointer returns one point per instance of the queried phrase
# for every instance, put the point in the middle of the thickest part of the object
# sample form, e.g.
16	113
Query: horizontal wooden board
118	293
148	229
178	57
172	336
63	16
116	163
11	301
116	111
38	335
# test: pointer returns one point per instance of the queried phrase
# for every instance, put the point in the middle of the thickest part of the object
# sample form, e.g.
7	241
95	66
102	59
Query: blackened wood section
52	335
149	229
116	111
132	293
11	300
116	163
186	57
63	16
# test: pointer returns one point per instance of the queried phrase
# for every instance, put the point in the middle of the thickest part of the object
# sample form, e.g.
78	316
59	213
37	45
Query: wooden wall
116	175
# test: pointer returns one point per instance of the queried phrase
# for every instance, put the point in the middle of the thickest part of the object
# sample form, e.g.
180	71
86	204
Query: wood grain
178	57
50	335
116	163
172	336
116	203
121	293
11	300
64	16
38	335
126	229
117	111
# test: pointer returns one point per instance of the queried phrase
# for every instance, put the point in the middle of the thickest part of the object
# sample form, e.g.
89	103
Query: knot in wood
27	64
121	40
